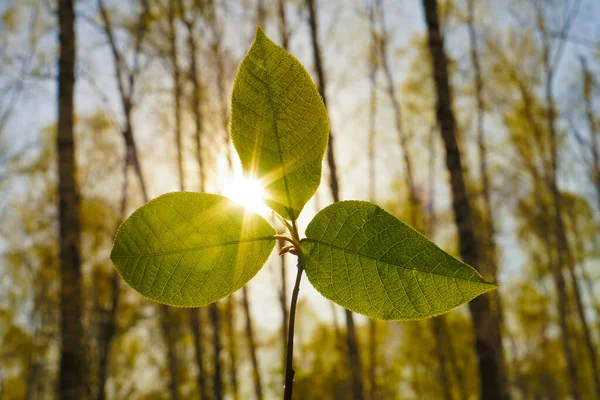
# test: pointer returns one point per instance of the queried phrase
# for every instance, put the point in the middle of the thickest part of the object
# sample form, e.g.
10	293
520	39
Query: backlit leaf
367	260
279	125
191	249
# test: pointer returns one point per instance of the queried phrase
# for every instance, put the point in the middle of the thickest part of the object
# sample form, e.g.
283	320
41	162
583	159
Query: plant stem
289	370
288	238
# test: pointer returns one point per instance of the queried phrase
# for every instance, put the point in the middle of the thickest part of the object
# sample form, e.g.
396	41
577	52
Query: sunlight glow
248	192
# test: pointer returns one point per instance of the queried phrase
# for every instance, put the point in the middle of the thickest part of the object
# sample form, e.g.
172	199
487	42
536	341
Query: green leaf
370	262
191	249
279	125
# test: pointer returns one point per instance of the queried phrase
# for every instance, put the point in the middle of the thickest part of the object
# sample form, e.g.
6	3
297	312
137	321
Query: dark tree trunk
195	316
176	91
589	340
231	334
594	131
353	351
168	315
437	325
563	251
196	324
71	375
126	81
354	356
107	333
283	27
373	66
487	333
283	298
221	79
402	135
215	320
490	229
252	345
283	304
167	322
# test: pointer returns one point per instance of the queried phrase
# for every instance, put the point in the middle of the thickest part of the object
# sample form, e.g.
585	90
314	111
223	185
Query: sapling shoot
188	249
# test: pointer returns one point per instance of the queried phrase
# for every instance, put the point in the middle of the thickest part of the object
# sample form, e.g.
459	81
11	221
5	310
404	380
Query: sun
246	191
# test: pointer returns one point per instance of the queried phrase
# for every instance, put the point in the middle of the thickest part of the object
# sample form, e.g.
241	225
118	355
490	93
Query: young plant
191	249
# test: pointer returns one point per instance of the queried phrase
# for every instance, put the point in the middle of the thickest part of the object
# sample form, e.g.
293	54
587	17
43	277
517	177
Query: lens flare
248	192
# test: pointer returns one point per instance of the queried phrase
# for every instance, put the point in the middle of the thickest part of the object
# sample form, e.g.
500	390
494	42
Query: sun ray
248	192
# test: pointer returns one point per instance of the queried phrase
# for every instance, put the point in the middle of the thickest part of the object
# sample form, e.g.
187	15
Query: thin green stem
289	370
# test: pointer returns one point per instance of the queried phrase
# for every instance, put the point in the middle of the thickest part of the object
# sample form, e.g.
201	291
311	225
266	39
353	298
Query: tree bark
168	318
107	334
373	67
437	325
562	245
196	328
171	12
594	132
71	379
487	333
490	230
402	135
196	322
167	321
126	79
231	334
353	351
252	345
221	79
215	320
283	28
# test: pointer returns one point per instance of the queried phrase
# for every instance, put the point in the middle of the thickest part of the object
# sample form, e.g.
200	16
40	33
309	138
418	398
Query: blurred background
150	115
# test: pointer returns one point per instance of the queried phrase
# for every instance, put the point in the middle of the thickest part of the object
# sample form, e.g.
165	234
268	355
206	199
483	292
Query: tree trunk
283	305
490	229
71	375
126	82
373	66
373	359
231	334
196	328
283	298
107	334
402	136
126	91
167	321
195	316
589	341
594	133
283	27
562	245
221	79
216	325
487	333
437	325
353	351
252	345
490	255
176	92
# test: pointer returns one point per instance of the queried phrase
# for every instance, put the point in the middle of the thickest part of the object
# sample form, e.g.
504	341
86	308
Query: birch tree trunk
487	333
193	75
353	351
71	374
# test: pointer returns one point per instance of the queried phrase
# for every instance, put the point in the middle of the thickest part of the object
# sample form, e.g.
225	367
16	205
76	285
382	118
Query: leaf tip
260	33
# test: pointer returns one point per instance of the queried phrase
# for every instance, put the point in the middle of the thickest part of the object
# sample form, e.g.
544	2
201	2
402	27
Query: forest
476	122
